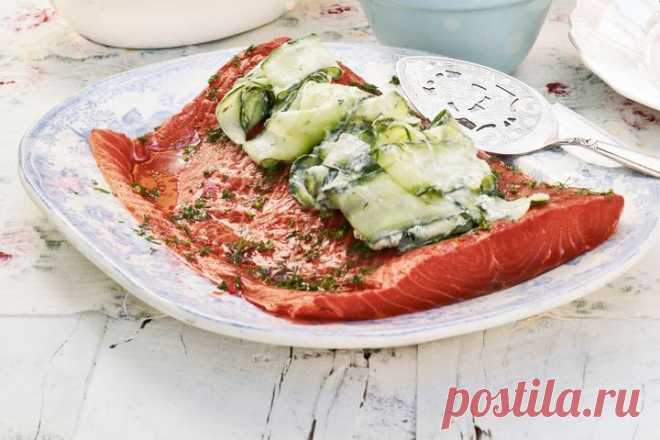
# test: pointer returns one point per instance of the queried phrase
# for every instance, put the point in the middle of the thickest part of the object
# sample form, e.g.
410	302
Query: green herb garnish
143	230
213	135
259	202
205	251
193	213
152	193
96	187
369	88
239	248
227	195
360	248
357	279
188	151
337	233
212	92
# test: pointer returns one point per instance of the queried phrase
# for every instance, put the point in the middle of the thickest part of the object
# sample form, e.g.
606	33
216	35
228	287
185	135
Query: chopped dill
239	248
360	248
337	233
153	193
259	202
369	88
96	187
194	213
188	151
227	195
213	135
143	230
212	93
357	279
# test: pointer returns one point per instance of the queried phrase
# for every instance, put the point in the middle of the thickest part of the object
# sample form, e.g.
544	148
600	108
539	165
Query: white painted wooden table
80	358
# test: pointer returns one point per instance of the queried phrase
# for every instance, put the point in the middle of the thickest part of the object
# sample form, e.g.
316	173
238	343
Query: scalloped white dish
58	171
619	40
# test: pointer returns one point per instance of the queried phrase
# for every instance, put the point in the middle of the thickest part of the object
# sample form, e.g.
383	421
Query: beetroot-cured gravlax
291	181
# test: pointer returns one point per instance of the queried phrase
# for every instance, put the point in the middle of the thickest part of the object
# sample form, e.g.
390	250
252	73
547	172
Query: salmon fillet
198	193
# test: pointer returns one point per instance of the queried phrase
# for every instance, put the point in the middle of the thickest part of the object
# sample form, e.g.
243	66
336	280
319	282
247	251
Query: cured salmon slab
236	223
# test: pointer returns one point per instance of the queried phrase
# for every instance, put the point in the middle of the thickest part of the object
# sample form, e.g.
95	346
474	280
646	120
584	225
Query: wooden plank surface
45	367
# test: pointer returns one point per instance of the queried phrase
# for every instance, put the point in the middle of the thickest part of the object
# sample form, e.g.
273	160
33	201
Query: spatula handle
640	162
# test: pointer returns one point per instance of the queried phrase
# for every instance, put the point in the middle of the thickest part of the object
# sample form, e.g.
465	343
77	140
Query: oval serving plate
58	171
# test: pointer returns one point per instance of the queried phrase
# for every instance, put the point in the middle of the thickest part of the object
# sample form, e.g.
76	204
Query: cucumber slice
382	213
295	60
390	105
256	105
445	129
332	167
245	106
431	162
307	177
437	168
281	74
317	109
379	197
349	159
394	132
228	114
348	153
288	96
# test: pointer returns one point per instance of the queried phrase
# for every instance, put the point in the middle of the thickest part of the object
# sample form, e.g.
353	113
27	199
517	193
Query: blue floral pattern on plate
57	170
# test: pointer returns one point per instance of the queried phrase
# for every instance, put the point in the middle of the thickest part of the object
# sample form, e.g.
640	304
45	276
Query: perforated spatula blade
502	114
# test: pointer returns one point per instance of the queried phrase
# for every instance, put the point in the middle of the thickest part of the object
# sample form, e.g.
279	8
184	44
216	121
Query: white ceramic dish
166	23
57	170
619	40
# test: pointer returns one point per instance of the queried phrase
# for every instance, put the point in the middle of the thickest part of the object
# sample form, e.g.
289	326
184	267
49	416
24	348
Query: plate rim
184	313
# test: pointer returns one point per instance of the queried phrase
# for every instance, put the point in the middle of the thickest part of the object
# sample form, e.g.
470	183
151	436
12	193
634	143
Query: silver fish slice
502	114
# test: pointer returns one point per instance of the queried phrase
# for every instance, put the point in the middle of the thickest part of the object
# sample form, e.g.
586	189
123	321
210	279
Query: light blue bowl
495	33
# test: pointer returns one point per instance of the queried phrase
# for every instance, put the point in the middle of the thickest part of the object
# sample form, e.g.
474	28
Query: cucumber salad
399	180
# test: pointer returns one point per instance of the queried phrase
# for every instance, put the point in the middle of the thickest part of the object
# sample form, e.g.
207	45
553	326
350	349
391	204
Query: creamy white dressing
438	228
496	208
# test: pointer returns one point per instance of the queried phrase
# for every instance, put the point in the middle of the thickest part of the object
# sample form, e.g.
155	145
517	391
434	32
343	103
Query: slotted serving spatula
502	114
